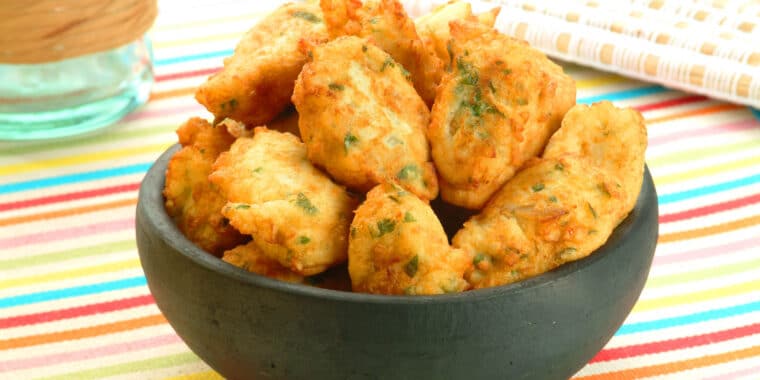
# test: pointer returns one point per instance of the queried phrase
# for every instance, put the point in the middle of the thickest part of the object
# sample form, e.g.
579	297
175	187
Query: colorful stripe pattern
74	303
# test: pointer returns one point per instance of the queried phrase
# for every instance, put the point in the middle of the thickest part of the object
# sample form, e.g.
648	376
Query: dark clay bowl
247	326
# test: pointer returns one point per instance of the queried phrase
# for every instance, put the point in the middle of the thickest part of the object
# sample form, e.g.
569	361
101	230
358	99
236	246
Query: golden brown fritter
193	203
361	119
553	211
386	24
613	139
433	27
294	212
398	246
250	258
257	80
496	109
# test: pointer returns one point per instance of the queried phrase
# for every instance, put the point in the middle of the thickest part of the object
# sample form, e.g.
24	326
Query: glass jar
77	80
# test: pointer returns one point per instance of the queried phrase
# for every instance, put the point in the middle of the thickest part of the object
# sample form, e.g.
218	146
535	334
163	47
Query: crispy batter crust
294	212
257	80
361	119
193	202
493	111
398	246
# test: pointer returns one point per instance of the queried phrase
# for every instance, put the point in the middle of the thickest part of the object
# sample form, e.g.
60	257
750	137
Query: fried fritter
361	119
613	139
496	109
287	121
193	203
398	246
257	80
250	258
386	24
294	212
554	211
433	27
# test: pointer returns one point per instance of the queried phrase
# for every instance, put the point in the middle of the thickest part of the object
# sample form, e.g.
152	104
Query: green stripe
48	258
106	136
700	153
723	270
120	369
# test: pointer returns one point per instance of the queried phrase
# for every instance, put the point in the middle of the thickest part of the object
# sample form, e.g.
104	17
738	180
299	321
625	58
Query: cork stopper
52	30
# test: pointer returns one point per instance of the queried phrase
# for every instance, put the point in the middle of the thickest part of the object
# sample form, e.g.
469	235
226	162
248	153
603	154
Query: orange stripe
711	230
171	93
67	212
87	332
696	112
683	365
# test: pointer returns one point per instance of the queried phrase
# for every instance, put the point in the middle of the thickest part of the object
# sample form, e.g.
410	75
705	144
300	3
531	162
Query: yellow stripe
196	40
83	158
204	24
69	274
700	296
604	80
703	172
208	375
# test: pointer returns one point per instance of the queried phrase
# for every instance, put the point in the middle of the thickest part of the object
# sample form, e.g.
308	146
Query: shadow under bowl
248	326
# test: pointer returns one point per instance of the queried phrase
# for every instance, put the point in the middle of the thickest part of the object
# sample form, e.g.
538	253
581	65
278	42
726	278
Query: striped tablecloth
74	303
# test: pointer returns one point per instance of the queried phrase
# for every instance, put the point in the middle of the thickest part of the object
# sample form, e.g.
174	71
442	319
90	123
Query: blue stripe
26	299
756	112
194	57
689	319
14	187
623	95
707	190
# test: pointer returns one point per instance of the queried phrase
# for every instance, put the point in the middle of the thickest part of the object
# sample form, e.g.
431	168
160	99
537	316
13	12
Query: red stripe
670	103
187	74
675	344
69	196
710	209
79	311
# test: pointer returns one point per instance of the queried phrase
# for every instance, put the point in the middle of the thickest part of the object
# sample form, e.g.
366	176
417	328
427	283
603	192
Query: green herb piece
336	87
490	85
374	20
467	72
388	63
566	253
537	187
522	101
349	141
593	212
229	106
408	217
364	48
507	71
592	232
553	199
393	141
258	170
410	171
405	72
385	226
303	239
394	199
603	189
559	167
308	16
242	206
412	265
480	256
353	232
515	273
303	202
450	50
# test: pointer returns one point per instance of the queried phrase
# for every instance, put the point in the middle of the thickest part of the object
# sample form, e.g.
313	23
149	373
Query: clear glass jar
74	95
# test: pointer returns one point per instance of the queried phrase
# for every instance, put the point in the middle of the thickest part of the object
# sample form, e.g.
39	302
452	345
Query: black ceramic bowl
247	326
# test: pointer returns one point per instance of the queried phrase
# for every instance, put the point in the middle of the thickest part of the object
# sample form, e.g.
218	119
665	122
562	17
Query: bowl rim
151	202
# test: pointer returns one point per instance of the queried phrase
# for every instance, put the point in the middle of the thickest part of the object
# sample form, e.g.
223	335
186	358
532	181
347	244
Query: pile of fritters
335	189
